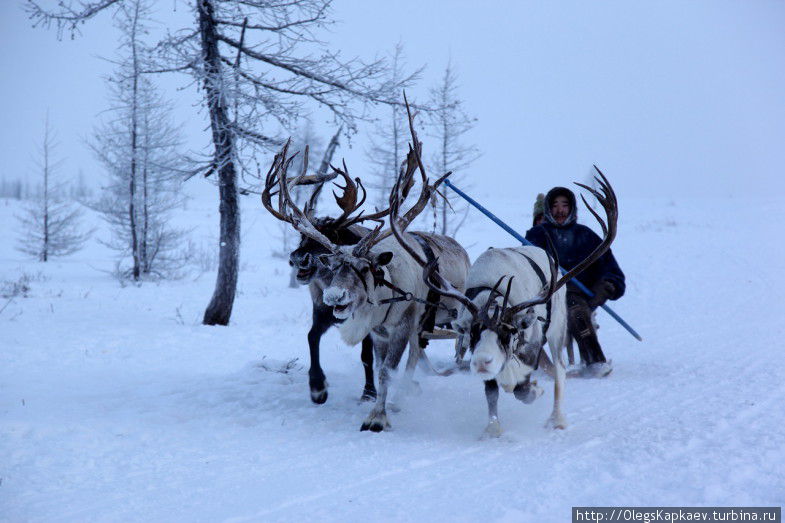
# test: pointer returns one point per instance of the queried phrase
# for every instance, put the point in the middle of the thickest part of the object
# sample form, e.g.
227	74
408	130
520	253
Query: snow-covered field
117	405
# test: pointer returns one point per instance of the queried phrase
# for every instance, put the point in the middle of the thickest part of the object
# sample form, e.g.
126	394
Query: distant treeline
23	190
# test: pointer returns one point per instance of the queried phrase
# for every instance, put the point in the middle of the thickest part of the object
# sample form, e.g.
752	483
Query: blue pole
524	241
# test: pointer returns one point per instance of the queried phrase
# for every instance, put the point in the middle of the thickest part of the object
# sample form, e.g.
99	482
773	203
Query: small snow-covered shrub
20	286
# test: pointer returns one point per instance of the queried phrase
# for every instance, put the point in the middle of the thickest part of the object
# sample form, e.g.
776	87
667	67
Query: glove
603	290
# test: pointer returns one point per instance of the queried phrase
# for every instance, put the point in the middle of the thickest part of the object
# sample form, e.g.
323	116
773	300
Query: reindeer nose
335	296
481	364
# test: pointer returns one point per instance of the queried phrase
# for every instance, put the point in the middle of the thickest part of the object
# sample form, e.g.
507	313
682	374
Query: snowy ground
117	405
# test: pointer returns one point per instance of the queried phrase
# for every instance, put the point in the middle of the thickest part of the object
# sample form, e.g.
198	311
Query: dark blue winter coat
574	242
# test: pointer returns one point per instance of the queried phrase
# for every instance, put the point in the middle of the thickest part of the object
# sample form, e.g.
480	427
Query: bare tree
139	147
261	66
449	122
50	225
388	142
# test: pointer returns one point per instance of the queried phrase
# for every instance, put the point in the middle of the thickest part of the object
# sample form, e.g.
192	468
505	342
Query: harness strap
404	295
433	302
428	320
472	292
548	306
537	268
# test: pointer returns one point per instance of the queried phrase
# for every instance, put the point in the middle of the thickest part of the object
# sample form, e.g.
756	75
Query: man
538	211
573	243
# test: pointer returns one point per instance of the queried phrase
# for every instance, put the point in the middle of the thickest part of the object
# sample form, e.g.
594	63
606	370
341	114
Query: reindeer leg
494	429
546	364
369	391
376	421
408	385
556	420
570	351
322	319
389	353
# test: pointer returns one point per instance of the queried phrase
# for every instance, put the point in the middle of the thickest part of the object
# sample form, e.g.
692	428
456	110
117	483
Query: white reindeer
504	330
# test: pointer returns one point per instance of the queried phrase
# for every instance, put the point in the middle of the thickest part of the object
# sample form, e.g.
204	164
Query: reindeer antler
403	184
348	200
398	225
287	211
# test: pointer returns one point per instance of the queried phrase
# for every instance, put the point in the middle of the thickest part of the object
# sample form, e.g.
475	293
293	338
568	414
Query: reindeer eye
474	335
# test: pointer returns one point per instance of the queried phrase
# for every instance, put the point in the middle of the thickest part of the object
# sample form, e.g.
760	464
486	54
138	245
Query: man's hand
603	290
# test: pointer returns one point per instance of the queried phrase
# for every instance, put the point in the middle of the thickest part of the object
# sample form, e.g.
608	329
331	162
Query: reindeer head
355	272
496	333
319	236
305	258
353	279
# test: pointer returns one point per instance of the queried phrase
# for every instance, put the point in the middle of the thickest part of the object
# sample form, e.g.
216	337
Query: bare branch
69	15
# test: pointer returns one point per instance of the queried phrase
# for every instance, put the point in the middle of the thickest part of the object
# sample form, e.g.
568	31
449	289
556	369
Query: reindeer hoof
369	394
493	430
376	423
527	391
556	423
318	386
319	396
595	370
409	389
415	389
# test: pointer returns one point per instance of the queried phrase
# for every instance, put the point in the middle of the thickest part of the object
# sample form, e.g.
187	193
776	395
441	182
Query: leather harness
432	301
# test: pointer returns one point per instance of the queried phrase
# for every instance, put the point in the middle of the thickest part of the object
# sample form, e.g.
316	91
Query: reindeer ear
383	259
523	321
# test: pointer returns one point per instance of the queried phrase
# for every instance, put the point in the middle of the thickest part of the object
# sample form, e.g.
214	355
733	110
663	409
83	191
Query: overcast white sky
669	98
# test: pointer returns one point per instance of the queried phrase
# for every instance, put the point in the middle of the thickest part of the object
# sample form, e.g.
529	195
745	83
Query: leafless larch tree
388	142
50	224
261	67
448	123
139	146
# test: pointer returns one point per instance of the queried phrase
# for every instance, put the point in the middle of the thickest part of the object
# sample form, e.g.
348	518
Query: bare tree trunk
445	145
220	308
396	144
131	206
134	147
144	253
45	251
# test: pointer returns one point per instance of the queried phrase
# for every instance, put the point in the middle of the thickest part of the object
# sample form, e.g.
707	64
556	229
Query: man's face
560	209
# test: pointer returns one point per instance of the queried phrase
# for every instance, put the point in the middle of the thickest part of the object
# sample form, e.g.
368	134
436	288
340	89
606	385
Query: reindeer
375	288
343	230
506	338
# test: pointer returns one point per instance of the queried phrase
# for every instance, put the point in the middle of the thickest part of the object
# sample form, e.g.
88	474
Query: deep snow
117	405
